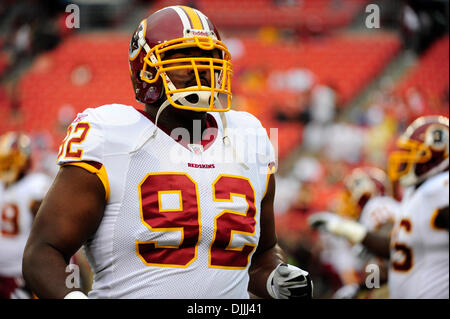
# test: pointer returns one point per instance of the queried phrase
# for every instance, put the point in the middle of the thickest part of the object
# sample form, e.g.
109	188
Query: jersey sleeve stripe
270	171
99	170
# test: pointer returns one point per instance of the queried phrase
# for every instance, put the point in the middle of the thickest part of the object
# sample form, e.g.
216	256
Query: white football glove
288	282
332	223
76	295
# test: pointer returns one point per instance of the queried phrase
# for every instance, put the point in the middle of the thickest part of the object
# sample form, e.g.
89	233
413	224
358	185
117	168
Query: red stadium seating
348	61
85	71
429	75
88	71
310	15
5	104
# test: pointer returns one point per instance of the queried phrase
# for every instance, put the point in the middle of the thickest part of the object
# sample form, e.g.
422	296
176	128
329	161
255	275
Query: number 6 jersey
182	220
419	245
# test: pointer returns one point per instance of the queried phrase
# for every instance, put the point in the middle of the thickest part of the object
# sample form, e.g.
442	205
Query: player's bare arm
268	254
269	265
378	241
70	213
366	213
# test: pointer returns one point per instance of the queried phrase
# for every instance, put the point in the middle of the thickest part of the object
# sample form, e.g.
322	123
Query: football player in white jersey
170	202
419	266
418	244
19	202
369	207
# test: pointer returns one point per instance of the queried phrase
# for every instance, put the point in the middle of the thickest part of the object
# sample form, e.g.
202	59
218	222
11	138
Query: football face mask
361	185
402	161
422	151
197	97
175	29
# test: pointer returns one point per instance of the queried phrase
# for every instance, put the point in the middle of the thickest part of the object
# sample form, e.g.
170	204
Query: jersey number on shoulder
403	258
185	219
76	134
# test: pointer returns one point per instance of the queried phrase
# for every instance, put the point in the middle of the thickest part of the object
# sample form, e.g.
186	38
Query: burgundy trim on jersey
97	165
211	123
94	164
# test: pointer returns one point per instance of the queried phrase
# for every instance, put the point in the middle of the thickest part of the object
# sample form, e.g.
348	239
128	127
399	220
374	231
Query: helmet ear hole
437	138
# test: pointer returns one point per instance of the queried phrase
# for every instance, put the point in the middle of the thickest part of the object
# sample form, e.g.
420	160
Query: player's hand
322	220
332	223
289	282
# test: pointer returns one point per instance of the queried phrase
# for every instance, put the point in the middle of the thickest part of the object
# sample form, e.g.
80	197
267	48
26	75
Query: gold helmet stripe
204	20
193	17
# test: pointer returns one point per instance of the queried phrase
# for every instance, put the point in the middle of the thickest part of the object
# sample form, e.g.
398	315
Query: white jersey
378	211
180	221
339	253
419	249
16	220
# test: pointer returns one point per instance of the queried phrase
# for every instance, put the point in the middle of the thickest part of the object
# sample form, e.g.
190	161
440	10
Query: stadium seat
430	75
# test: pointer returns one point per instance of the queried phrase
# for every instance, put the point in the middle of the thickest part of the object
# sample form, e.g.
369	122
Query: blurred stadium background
338	91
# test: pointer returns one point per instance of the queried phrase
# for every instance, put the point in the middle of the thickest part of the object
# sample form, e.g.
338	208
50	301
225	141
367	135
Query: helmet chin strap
181	97
203	99
155	131
227	141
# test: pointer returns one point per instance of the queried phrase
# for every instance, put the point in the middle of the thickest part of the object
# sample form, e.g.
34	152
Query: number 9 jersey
182	220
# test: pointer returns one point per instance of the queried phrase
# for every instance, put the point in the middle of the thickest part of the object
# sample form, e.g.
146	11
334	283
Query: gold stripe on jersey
101	174
270	171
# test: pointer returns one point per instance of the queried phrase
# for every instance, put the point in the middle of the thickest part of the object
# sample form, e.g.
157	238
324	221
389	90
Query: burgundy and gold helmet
360	185
15	151
172	28
421	151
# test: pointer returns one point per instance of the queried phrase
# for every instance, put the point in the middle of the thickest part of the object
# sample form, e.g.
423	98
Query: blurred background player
419	266
22	194
367	204
417	246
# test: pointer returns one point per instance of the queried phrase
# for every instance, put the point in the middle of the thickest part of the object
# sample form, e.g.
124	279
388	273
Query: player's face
183	78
